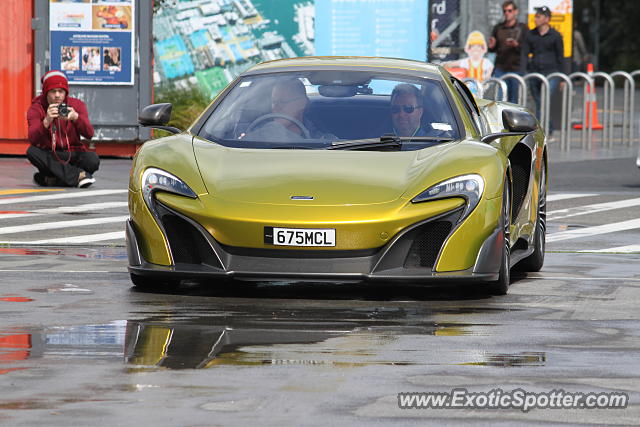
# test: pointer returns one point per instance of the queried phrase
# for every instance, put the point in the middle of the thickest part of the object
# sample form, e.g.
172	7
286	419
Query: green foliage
619	48
187	104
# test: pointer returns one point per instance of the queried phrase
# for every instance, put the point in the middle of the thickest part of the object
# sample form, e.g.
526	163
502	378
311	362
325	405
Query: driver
289	101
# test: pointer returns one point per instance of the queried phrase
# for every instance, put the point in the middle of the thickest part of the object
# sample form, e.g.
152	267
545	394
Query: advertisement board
444	32
92	40
391	28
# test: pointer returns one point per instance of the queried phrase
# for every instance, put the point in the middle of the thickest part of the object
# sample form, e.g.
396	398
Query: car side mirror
517	123
157	116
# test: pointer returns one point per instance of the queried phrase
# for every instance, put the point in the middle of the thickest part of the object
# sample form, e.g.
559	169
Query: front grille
187	243
427	244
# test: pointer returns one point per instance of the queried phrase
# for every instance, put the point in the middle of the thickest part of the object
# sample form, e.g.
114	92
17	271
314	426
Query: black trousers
67	174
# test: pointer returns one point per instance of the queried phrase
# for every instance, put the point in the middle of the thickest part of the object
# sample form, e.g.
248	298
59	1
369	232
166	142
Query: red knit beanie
54	79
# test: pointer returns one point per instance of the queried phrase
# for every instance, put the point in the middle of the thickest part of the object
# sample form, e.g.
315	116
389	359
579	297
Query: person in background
581	55
547	52
56	123
506	41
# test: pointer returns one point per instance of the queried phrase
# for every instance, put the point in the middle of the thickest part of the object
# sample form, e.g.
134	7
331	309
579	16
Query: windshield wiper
386	140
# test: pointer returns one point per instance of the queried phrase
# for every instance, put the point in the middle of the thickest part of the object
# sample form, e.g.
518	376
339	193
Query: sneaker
39	179
85	179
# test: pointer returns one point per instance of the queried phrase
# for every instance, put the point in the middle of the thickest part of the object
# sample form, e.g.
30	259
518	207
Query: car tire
501	286
535	261
152	283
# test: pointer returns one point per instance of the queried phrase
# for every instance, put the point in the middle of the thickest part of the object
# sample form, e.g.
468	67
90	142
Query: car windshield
332	110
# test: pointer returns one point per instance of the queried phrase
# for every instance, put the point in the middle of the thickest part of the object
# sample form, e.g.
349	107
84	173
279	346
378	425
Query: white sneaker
86	181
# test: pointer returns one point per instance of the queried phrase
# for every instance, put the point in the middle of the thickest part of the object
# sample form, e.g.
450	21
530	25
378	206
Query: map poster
92	41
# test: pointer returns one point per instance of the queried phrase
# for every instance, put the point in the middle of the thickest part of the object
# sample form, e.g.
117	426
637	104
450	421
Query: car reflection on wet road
80	343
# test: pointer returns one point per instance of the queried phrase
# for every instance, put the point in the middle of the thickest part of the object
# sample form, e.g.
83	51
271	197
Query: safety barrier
497	88
498	85
628	104
566	108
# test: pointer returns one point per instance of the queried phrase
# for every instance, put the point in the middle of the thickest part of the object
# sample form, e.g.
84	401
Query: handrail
522	86
544	99
587	131
609	103
567	107
628	104
499	82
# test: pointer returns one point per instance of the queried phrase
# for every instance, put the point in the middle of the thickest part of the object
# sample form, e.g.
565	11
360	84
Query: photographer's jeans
64	165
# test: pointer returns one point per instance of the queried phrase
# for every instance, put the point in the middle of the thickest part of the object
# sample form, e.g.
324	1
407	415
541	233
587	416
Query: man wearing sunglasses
406	110
506	40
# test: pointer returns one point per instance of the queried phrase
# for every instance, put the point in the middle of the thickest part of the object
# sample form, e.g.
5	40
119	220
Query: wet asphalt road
79	346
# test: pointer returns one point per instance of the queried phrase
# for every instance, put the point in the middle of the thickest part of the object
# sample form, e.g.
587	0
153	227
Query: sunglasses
395	109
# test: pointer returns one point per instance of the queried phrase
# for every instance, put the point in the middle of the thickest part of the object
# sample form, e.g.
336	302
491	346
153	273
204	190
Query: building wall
16	67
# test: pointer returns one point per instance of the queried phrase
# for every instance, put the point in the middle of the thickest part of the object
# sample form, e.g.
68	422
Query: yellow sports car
340	169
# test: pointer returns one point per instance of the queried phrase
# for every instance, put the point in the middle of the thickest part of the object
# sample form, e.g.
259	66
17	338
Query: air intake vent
520	184
426	246
187	243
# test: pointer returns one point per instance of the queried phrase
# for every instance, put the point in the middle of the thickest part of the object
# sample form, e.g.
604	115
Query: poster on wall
391	28
92	40
561	19
444	32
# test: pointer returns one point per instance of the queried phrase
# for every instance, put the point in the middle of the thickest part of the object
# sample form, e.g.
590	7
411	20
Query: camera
63	110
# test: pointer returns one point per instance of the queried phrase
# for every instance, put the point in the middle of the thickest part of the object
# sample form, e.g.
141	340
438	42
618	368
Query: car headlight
158	180
470	187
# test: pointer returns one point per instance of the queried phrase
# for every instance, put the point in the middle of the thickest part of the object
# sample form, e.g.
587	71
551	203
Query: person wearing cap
56	150
506	41
547	54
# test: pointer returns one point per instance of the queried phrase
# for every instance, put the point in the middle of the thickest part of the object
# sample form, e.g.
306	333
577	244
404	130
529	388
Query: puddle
110	253
65	288
237	334
509	360
15	299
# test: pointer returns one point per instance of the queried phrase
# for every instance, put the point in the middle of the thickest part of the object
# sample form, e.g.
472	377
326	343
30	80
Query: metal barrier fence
497	88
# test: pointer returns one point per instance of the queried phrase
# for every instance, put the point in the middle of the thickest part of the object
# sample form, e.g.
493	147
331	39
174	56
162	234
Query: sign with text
391	28
444	32
92	40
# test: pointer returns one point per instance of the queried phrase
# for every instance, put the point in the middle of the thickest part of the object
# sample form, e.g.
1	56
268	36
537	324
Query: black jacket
547	52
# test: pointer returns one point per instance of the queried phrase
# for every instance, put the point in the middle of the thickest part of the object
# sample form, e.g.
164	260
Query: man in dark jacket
547	53
506	41
56	123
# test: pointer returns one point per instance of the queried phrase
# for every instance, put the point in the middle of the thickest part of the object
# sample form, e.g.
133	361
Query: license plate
300	236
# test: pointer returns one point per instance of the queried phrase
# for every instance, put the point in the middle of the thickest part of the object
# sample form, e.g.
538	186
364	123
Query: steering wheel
305	131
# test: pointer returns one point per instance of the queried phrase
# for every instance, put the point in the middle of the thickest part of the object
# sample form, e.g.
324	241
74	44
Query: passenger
406	114
406	110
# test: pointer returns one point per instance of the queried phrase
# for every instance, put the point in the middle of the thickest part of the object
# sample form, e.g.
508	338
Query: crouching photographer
56	123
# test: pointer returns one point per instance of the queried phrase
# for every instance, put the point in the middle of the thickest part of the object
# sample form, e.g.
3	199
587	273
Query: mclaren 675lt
341	169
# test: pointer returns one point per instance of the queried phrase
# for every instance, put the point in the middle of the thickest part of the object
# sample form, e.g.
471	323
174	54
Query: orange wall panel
16	67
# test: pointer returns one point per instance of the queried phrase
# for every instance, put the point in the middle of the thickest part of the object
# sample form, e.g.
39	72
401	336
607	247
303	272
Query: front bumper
409	257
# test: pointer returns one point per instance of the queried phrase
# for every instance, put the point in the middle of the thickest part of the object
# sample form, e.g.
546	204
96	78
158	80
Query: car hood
330	177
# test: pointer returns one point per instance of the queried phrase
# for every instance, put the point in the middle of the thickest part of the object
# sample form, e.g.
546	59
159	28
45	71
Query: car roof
356	63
